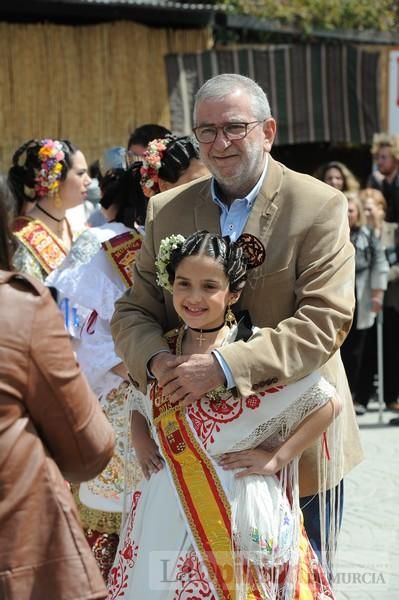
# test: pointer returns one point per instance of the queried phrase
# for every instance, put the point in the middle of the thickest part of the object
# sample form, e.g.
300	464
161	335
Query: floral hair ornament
166	247
51	155
152	162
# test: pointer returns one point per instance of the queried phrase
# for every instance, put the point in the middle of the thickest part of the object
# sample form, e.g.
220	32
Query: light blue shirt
232	222
234	217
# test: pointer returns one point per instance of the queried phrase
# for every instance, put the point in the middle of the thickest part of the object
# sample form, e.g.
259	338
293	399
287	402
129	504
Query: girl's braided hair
222	249
177	157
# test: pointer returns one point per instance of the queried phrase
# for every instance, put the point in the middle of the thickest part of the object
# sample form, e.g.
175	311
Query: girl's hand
148	456
253	462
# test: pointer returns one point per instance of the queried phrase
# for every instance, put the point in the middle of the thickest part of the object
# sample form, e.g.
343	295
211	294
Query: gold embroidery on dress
110	483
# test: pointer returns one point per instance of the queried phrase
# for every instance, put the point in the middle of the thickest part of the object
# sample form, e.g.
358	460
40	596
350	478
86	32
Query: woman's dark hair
26	165
144	134
7	240
177	157
121	188
94	170
222	249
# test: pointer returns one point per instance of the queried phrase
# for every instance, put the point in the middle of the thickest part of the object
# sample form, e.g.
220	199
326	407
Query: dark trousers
352	352
311	516
368	370
391	354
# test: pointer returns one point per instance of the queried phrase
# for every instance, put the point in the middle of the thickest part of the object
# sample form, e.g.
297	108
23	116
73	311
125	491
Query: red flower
252	402
128	552
187	566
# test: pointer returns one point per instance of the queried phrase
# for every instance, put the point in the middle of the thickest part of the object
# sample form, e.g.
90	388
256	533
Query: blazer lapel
206	212
265	208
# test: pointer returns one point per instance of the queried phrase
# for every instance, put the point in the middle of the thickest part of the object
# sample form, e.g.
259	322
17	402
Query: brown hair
351	184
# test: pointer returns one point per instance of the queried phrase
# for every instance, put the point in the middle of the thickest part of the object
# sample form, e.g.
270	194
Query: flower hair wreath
51	155
166	247
152	162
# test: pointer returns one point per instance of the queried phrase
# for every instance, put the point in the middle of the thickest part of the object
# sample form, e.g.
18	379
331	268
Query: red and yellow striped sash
121	251
203	499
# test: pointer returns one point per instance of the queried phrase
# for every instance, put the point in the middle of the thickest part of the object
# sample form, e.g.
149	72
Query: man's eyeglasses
206	134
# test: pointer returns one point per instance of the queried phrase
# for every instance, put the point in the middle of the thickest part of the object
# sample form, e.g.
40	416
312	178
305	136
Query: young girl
198	525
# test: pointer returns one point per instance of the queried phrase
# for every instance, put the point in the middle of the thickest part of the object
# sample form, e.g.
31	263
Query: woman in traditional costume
52	175
217	517
95	274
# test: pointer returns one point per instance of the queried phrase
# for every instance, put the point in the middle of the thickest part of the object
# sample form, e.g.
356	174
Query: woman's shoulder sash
121	251
40	241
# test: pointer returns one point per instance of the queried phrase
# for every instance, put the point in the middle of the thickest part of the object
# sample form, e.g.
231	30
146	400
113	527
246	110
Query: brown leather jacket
50	422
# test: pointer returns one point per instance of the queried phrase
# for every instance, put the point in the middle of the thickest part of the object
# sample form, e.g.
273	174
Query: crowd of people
373	213
176	420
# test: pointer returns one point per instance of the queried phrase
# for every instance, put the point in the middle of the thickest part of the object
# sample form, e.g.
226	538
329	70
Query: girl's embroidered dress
186	519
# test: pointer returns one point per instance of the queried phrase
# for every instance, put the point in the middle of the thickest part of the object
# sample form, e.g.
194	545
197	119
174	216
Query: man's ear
269	130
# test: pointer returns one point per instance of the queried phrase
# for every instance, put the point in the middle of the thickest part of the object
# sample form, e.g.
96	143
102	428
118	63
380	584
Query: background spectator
141	137
385	151
50	422
338	176
370	283
374	207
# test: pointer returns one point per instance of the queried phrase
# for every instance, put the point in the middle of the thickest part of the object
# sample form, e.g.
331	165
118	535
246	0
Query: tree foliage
381	15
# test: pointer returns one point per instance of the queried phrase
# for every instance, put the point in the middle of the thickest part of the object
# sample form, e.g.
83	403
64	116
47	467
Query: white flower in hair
163	259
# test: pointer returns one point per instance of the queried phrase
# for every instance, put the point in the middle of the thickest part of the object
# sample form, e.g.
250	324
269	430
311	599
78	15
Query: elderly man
302	296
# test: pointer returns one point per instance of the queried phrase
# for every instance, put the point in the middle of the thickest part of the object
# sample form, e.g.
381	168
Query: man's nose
221	140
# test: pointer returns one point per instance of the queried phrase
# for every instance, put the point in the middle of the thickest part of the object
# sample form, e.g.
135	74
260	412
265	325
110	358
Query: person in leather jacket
52	430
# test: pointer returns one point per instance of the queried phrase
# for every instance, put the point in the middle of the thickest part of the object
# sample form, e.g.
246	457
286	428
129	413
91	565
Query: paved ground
368	552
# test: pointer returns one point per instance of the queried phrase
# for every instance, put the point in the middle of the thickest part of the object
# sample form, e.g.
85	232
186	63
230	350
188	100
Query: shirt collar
250	198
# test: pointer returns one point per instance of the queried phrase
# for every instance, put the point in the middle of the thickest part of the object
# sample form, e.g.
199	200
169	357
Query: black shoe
394	421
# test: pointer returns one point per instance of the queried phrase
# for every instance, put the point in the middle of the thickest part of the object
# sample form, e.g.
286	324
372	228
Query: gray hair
223	85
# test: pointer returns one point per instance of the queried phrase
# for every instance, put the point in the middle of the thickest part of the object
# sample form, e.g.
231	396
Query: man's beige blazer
302	297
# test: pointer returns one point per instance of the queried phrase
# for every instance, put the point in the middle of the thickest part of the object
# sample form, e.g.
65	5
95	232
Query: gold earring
229	318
